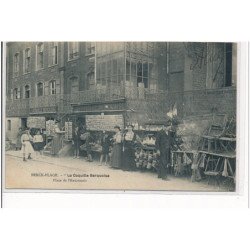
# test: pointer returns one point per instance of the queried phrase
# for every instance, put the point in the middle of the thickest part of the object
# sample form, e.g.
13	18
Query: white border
239	198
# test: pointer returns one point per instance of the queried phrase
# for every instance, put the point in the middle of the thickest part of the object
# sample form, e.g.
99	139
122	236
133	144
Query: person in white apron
27	148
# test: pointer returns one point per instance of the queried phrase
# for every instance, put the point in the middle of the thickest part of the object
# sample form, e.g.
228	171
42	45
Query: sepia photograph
128	116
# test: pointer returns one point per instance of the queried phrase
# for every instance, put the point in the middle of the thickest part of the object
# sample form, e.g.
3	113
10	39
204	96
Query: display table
181	161
219	163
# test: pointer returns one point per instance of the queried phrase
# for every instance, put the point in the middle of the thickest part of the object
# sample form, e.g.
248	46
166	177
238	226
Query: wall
176	67
204	66
35	76
76	67
15	125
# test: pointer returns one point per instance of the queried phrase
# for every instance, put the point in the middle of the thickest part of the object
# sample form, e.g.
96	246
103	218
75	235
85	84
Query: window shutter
58	87
23	92
19	93
11	94
46	88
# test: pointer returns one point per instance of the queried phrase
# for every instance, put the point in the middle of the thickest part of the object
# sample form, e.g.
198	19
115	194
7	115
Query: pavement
47	172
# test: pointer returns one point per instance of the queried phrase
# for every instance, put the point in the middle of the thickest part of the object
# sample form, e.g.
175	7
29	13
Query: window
91	78
40	56
16	64
40	89
27	91
16	93
53	54
90	48
9	125
73	50
74	84
53	87
27	60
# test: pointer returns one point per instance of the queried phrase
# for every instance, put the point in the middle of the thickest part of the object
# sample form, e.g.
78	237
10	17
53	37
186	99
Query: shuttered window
40	89
27	60
74	84
73	50
53	53
16	64
40	56
16	93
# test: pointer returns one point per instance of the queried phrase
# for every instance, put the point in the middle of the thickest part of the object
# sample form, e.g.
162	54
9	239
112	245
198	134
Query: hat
117	127
168	123
130	125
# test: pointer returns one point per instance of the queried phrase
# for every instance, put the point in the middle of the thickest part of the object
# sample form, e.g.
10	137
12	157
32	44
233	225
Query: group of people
28	143
123	146
123	150
123	154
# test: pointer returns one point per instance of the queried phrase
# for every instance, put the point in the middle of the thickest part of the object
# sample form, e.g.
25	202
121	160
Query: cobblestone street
44	172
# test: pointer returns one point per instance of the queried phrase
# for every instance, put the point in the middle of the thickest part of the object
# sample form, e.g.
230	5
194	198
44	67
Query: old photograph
133	116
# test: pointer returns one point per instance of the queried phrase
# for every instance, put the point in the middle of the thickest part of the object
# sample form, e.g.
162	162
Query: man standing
76	142
163	145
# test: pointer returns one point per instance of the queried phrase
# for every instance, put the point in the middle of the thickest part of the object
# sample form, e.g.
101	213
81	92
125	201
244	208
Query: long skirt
27	148
116	156
56	144
128	158
18	142
38	146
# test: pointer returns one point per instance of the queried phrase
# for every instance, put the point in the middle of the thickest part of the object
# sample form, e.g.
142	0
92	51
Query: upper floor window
73	50
16	93
74	84
90	48
40	89
91	79
27	60
53	53
16	64
27	91
142	73
52	87
40	56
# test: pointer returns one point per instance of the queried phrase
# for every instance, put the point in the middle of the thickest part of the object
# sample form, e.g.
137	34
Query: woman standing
128	156
116	157
27	148
105	143
18	140
38	142
57	141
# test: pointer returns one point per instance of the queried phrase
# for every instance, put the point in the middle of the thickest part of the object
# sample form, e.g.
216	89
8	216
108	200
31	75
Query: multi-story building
131	82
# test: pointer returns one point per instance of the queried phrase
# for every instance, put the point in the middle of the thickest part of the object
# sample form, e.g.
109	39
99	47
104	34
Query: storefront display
68	130
104	122
36	122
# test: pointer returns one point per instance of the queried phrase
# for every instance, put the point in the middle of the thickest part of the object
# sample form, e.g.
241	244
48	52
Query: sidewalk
19	175
53	160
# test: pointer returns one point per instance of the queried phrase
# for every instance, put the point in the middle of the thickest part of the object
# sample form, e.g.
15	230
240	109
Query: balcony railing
44	104
188	103
95	95
18	107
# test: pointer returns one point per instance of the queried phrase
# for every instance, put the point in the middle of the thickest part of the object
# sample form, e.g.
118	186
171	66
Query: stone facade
196	78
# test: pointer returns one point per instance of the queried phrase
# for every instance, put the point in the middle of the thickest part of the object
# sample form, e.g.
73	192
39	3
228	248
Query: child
27	148
38	142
